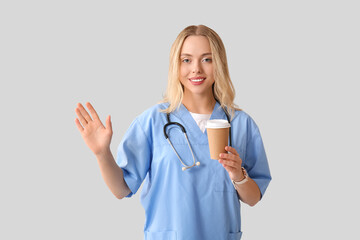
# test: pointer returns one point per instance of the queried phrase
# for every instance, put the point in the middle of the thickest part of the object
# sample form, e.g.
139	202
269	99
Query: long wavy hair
223	89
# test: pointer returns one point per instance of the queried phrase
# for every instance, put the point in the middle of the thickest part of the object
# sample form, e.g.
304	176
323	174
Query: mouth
197	80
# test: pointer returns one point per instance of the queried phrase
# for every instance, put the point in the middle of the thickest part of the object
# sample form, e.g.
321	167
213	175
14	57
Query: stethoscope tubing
172	123
187	139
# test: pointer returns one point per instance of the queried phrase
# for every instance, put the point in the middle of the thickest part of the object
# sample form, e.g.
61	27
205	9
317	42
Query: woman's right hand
96	136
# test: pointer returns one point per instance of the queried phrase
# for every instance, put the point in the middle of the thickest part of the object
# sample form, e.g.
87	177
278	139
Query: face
196	68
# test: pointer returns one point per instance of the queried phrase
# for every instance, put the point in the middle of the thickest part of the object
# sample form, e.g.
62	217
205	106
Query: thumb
108	123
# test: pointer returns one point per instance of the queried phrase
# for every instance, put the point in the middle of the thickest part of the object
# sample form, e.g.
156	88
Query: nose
196	67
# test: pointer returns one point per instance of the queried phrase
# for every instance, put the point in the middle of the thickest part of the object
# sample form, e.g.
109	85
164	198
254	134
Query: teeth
197	80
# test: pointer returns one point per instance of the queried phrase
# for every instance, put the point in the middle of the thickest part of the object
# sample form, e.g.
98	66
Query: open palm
96	136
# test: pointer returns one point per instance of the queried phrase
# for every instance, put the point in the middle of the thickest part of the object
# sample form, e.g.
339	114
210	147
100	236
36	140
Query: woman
201	202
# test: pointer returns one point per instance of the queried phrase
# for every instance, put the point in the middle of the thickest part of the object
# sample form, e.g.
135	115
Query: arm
249	192
112	175
98	137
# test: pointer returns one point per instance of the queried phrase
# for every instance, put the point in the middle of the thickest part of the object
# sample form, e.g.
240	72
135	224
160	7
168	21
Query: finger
77	122
229	156
229	168
108	123
81	117
230	163
93	113
84	112
232	150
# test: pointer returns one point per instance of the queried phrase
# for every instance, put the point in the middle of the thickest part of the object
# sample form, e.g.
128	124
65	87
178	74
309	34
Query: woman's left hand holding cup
231	161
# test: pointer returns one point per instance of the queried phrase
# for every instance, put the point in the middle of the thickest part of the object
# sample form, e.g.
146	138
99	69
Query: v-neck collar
191	127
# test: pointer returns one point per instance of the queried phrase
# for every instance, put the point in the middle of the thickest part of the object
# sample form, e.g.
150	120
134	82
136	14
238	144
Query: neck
202	104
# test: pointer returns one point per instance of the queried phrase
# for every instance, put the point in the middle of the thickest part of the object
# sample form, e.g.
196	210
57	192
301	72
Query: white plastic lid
217	123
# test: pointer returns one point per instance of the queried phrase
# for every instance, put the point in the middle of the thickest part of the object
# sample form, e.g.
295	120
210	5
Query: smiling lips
197	80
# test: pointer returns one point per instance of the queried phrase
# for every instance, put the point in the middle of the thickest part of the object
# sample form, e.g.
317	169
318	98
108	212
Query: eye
185	60
207	60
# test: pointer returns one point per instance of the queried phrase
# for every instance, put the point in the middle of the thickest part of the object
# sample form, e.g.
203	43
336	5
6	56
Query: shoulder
149	121
152	113
243	120
242	116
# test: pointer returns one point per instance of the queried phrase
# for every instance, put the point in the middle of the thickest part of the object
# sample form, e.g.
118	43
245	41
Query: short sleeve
256	162
134	156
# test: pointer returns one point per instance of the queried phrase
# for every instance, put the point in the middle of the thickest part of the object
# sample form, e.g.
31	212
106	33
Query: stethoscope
169	123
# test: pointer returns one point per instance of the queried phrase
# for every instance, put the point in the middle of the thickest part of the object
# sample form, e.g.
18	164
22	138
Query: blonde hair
223	88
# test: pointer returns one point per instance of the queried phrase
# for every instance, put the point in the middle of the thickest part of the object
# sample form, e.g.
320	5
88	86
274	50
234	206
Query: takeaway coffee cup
218	136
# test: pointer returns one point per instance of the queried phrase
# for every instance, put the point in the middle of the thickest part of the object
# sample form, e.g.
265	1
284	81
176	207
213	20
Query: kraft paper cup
218	136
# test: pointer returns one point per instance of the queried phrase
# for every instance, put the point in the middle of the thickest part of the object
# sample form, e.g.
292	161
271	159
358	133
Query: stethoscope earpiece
187	167
184	131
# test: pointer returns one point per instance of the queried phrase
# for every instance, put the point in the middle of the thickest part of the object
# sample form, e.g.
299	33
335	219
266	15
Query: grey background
295	66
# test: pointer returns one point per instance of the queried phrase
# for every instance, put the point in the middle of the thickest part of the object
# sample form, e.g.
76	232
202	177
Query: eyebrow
189	55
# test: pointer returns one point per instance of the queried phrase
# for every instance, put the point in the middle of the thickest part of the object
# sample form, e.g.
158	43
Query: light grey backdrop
295	66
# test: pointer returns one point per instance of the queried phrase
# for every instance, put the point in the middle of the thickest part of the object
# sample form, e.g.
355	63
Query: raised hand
96	136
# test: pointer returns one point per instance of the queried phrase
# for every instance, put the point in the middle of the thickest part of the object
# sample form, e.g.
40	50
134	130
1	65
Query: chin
198	91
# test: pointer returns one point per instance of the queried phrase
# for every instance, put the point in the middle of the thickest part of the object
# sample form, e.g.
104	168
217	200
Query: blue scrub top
198	203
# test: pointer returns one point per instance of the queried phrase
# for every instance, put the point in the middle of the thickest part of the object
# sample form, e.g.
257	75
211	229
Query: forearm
249	192
112	175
